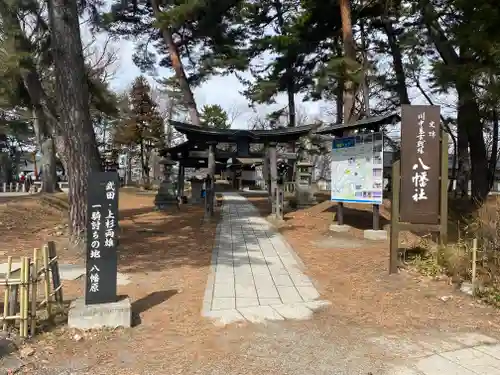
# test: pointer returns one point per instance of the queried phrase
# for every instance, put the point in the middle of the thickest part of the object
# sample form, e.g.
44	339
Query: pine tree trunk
144	166
180	73
350	59
48	165
81	153
47	149
492	163
340	89
397	60
147	170
479	160
289	74
463	171
470	120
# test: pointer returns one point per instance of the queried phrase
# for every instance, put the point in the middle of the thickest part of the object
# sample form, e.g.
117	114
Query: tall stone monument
167	194
101	307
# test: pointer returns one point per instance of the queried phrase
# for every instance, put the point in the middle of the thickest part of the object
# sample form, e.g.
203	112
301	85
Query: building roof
203	134
367	123
191	154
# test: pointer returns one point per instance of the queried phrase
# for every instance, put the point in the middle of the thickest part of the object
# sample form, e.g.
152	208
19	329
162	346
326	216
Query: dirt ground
167	255
29	222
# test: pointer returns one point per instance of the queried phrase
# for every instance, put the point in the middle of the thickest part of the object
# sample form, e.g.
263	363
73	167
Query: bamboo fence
21	290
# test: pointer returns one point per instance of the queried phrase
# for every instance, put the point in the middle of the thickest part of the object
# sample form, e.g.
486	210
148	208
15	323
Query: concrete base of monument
167	202
305	198
104	315
305	203
375	235
339	228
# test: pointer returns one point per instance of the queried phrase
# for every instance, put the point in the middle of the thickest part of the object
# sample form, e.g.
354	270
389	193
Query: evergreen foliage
140	128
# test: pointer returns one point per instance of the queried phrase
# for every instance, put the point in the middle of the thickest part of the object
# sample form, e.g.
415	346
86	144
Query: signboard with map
358	169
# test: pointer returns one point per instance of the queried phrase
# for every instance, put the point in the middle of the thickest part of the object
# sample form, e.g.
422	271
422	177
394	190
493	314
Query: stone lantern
167	194
303	184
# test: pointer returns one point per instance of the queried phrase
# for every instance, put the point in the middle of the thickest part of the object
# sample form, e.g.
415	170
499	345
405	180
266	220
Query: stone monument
303	184
101	307
167	194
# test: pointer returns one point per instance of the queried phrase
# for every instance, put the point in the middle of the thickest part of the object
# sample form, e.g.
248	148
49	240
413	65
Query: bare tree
101	59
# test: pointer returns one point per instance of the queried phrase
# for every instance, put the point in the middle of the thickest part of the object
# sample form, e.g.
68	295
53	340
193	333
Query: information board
102	230
358	169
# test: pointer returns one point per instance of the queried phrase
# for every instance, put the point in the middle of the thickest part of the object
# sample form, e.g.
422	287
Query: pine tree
80	146
214	116
142	127
184	27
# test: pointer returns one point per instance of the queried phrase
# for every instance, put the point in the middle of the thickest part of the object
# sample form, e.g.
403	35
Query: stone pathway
256	275
463	354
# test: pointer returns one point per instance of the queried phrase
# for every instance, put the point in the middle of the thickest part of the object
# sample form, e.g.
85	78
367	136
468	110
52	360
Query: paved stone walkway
463	354
256	275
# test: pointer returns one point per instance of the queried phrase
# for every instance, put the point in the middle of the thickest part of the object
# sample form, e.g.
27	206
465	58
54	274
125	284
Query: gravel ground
276	348
285	348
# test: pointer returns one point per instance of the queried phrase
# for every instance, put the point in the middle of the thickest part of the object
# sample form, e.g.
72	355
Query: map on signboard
358	169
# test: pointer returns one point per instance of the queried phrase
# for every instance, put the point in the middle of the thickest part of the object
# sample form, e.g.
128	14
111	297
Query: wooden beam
224	154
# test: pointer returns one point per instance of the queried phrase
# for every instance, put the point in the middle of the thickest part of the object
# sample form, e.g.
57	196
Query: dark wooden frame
397	226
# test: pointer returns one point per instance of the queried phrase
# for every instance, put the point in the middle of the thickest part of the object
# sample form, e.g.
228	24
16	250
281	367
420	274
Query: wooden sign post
420	178
102	231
